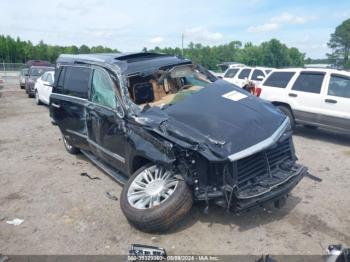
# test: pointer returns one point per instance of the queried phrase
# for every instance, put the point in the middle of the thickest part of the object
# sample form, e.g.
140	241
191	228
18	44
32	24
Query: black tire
22	87
289	114
30	95
159	218
37	99
71	149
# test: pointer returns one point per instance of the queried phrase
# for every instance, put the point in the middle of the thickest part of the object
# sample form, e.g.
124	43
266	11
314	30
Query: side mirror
260	78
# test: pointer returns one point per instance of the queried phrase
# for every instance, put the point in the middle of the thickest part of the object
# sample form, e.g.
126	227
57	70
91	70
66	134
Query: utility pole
182	44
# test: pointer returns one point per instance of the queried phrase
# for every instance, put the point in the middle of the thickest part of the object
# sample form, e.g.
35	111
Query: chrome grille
262	164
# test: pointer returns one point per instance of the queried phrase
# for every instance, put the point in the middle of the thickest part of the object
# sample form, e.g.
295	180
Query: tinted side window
44	77
102	92
231	73
244	74
257	73
76	82
279	79
49	79
339	86
310	82
61	72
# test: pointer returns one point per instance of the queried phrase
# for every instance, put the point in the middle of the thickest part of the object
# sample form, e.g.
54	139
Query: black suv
172	133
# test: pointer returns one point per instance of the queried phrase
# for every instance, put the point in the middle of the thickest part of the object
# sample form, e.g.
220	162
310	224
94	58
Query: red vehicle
30	63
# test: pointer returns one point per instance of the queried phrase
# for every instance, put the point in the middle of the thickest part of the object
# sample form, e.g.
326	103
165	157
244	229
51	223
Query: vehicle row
37	80
313	97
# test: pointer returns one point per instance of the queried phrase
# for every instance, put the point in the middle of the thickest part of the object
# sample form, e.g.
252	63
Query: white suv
313	97
240	75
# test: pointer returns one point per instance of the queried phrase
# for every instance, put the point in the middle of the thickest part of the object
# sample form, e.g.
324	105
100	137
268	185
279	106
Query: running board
117	176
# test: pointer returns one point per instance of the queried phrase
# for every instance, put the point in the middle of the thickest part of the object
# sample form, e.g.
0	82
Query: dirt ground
66	213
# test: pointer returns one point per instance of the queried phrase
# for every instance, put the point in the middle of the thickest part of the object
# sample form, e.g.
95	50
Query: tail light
257	91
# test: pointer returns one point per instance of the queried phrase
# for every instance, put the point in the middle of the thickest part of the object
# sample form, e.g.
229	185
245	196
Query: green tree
275	54
84	49
296	57
340	44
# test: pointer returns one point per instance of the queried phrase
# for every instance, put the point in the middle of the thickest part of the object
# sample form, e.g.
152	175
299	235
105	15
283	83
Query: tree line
17	51
272	53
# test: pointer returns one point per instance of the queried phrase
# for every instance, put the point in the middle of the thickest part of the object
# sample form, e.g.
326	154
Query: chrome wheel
68	146
151	187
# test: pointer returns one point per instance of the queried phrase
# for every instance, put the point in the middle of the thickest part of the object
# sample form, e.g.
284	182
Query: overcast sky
130	25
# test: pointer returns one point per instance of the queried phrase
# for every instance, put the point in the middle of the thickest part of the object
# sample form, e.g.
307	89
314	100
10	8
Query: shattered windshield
167	87
39	71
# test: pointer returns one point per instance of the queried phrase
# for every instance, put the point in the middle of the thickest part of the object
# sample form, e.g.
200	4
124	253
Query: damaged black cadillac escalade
172	133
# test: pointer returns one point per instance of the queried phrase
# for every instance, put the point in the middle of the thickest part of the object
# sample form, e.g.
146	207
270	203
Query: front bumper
275	193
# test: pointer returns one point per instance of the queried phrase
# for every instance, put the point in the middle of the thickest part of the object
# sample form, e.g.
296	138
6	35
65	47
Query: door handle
55	105
332	101
292	95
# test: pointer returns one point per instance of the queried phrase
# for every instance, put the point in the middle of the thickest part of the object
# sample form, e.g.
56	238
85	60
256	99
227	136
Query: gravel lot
66	213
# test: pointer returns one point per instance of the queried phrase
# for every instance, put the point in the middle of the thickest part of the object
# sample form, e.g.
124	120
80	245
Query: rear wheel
37	99
289	114
153	199
71	149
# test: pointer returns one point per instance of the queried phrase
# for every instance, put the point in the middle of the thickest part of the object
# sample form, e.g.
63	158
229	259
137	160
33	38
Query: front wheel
154	199
71	149
289	114
37	99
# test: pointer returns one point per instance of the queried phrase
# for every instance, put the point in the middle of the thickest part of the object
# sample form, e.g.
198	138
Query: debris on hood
90	177
15	222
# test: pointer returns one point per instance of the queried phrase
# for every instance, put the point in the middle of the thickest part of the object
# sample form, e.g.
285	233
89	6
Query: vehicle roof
326	70
250	67
41	66
51	67
30	63
130	63
230	63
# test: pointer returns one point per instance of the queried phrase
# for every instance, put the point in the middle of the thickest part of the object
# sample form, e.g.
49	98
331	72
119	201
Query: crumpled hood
224	118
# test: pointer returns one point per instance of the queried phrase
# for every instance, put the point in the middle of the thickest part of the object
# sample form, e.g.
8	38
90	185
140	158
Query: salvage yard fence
10	72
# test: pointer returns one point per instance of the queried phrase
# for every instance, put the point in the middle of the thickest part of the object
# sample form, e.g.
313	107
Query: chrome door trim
106	151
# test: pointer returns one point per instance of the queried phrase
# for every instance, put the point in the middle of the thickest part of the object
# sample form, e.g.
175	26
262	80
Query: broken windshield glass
167	87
